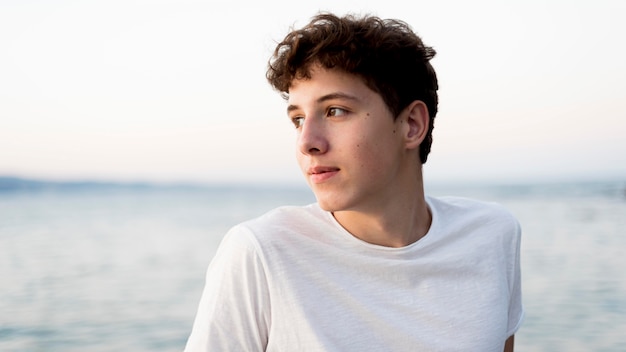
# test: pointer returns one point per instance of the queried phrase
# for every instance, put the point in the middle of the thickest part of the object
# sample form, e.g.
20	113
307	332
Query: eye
297	121
336	112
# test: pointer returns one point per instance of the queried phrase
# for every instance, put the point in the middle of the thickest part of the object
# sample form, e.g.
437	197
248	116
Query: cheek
378	155
370	155
300	160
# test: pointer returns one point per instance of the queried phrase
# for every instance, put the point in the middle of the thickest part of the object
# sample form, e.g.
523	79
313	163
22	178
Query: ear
415	120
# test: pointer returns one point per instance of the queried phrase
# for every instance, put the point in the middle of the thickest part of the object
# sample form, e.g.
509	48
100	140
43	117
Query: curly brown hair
386	53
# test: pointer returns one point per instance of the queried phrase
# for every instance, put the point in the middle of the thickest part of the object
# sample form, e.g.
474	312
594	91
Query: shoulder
464	204
256	239
280	224
453	208
482	219
285	217
279	237
483	231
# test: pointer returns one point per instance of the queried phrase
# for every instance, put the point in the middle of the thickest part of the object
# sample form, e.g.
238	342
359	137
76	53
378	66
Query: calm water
111	269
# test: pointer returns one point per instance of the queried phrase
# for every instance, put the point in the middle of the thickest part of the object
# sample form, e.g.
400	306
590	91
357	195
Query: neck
397	222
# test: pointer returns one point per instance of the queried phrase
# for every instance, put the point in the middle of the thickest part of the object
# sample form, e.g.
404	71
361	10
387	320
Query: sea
111	267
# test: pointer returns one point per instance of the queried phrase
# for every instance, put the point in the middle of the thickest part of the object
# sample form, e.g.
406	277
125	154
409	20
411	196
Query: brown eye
297	121
336	112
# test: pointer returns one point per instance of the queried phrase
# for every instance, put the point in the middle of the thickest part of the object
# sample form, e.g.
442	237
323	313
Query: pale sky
171	90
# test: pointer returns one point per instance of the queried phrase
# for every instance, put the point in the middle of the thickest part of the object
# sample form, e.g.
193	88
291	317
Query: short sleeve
233	314
516	310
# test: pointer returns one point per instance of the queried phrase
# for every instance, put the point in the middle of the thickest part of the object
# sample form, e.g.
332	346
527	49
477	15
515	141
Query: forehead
323	81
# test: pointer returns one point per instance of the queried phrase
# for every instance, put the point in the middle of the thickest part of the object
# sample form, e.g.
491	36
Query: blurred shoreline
611	187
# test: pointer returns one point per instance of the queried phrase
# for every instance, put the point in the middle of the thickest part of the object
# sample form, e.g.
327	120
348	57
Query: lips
320	174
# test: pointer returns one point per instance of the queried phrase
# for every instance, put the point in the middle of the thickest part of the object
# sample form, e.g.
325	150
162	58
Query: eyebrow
327	97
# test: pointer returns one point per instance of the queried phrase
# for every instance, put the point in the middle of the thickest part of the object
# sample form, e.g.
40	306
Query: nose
312	139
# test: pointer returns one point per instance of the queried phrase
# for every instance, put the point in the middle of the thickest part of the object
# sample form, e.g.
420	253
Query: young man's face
349	146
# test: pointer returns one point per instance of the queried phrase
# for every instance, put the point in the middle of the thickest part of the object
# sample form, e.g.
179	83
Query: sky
175	90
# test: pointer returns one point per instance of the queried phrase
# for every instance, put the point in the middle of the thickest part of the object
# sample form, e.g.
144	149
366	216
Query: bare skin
361	163
508	345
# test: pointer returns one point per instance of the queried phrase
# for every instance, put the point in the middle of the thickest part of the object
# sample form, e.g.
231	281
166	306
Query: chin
326	207
331	199
329	204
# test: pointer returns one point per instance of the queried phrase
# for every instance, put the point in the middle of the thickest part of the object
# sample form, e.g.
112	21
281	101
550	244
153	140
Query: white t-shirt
295	280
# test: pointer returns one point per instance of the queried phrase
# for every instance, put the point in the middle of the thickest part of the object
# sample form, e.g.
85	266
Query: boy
374	264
